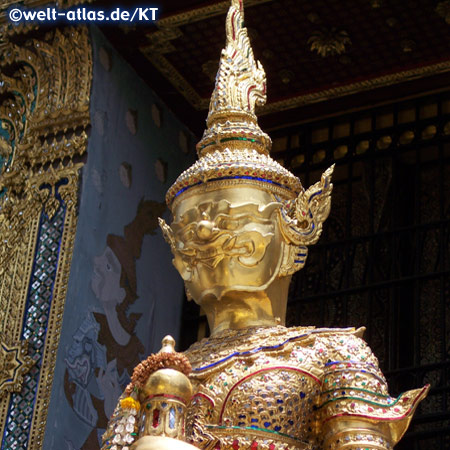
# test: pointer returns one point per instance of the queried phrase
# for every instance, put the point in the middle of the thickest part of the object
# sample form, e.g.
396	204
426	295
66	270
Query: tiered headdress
233	147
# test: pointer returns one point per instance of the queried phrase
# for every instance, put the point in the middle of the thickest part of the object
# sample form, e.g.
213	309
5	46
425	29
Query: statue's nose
205	229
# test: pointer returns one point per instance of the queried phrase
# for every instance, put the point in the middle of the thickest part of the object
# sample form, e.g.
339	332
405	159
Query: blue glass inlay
269	347
351	361
37	312
249	352
172	418
240	177
312	196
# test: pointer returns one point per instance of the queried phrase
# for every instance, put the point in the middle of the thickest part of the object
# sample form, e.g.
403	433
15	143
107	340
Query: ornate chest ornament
241	227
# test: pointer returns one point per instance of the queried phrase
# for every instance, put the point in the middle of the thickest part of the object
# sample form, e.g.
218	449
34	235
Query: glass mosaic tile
21	405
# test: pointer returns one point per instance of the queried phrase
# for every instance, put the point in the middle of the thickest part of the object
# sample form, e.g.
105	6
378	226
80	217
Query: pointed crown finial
240	86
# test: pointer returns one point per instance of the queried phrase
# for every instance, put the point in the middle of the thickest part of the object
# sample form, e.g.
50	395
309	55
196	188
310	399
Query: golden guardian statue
241	227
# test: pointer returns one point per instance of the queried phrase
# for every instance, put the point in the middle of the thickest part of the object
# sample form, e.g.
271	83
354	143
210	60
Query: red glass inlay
155	418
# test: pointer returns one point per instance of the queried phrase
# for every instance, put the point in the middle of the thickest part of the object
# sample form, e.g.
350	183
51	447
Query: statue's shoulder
351	332
344	345
219	349
247	342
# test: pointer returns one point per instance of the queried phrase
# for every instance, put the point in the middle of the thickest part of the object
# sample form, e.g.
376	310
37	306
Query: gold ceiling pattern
360	48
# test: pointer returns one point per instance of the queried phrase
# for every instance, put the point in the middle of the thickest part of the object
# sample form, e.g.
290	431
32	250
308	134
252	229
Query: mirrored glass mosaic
21	405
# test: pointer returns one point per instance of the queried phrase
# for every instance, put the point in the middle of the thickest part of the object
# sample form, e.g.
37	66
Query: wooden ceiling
372	51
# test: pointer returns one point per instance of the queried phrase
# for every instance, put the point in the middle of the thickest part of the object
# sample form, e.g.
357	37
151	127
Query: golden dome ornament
164	391
151	412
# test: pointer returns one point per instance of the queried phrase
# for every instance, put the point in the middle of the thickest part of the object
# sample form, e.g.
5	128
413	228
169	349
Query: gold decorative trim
15	286
354	88
14	364
43	120
201	103
168	27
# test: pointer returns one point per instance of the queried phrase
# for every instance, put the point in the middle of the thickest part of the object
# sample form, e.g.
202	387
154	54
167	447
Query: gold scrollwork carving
44	112
14	364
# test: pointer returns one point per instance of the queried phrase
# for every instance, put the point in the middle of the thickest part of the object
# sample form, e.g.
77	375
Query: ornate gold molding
354	88
44	112
14	364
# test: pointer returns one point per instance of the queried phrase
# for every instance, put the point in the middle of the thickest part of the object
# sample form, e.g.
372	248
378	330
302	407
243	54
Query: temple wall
123	294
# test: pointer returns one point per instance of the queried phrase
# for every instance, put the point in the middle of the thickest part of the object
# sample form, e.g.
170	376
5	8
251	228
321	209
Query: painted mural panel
123	294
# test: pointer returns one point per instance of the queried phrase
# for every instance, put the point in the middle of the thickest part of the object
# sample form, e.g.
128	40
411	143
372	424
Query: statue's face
227	240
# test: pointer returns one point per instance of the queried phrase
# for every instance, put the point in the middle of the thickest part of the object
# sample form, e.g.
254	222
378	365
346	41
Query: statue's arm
355	409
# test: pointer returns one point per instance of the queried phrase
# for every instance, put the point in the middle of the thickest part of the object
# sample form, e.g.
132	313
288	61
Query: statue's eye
227	223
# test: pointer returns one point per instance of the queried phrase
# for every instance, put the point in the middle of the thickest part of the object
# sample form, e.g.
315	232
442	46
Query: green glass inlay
347	388
237	139
264	430
4	132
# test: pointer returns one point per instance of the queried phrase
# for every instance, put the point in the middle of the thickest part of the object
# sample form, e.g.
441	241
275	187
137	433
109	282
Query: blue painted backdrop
124	294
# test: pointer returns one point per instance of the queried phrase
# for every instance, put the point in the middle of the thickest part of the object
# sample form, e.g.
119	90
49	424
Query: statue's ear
301	220
294	259
168	234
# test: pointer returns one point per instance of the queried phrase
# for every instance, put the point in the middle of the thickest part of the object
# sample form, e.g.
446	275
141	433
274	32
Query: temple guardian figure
241	227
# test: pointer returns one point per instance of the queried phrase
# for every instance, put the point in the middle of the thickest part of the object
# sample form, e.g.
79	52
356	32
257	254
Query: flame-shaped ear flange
301	221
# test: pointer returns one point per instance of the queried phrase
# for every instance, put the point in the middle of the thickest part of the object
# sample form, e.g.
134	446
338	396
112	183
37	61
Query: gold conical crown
234	149
240	86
